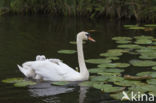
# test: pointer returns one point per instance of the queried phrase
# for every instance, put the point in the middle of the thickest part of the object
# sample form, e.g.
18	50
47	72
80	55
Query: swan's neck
83	69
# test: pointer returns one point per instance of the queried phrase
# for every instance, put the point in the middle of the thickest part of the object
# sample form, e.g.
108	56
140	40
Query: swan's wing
53	71
27	70
49	70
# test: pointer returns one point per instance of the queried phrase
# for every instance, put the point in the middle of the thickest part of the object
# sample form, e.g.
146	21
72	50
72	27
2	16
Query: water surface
23	37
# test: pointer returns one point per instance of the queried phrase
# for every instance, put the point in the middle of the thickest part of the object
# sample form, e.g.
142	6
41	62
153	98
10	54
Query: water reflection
45	89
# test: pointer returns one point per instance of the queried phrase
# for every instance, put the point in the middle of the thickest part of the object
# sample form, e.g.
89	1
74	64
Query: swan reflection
45	89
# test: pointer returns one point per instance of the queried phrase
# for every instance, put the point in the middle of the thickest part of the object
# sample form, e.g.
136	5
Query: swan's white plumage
49	71
55	69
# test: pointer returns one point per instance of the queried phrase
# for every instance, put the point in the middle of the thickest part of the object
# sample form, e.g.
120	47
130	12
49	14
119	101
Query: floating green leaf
154	68
98	61
115	79
100	79
60	83
113	58
151	81
121	38
150	25
143	63
66	51
111	54
121	65
96	70
13	80
143	41
108	88
144	37
127	26
152	74
114	52
130	46
136	28
24	83
127	83
87	83
123	41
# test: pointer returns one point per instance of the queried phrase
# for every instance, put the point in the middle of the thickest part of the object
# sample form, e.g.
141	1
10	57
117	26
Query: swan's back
53	71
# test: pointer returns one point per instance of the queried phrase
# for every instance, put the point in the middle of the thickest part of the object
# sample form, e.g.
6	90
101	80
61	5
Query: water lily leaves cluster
108	73
19	82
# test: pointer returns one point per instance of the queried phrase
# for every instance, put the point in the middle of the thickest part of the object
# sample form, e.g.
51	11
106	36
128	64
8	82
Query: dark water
22	38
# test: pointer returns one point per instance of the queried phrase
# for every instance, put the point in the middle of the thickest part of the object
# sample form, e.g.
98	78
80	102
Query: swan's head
85	36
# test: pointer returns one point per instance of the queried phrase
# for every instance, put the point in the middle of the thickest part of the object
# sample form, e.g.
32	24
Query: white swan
54	69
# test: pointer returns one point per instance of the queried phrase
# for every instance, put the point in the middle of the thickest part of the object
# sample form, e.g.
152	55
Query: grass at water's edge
139	9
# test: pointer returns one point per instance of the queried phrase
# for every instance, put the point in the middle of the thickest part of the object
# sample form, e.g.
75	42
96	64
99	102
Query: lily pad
147	53
60	83
150	25
127	26
136	28
115	79
152	74
108	88
96	70
152	81
123	41
24	83
86	83
129	46
121	38
143	63
100	79
143	41
113	58
154	68
144	37
98	61
108	74
13	80
120	65
127	83
114	52
111	54
66	51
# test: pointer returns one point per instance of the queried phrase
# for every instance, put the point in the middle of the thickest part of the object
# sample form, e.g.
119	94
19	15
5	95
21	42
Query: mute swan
54	69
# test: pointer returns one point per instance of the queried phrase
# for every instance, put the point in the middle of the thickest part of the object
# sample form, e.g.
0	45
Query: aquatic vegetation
144	37
19	82
150	25
143	41
113	52
98	61
67	51
121	38
12	80
24	83
130	46
143	63
60	83
120	65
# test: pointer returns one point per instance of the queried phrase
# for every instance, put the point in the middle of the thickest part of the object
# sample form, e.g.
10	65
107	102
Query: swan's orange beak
91	39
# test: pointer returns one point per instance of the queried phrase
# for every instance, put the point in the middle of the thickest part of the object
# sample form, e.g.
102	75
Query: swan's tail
24	71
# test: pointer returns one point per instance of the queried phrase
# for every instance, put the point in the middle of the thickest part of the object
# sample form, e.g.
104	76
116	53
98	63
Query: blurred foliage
138	9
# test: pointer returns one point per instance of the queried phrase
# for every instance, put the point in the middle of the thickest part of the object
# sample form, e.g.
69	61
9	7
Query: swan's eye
88	35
